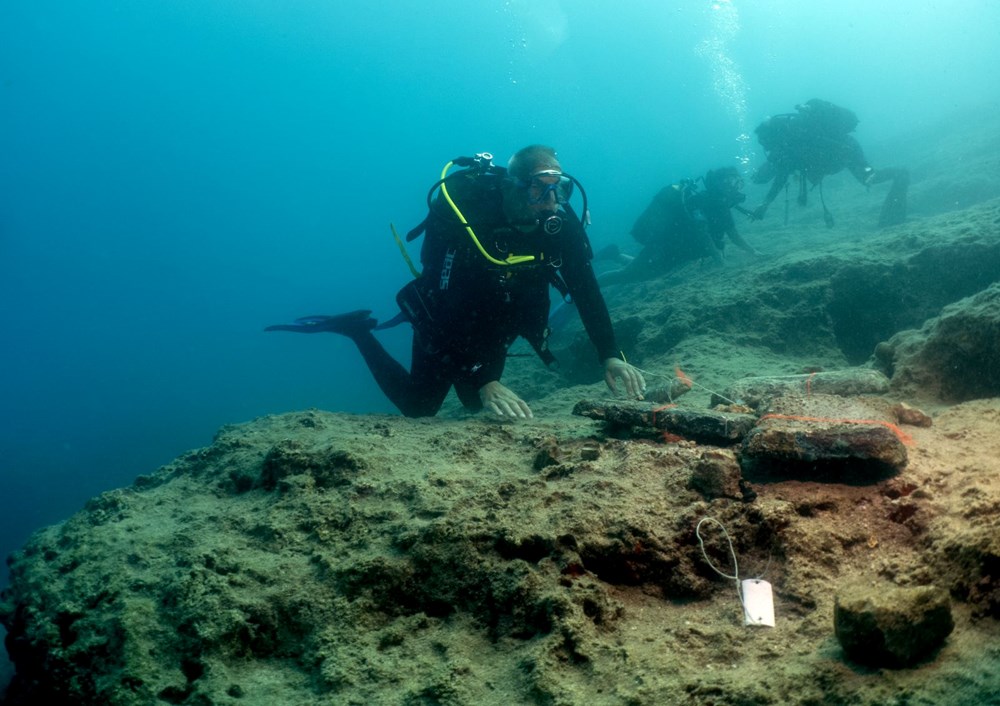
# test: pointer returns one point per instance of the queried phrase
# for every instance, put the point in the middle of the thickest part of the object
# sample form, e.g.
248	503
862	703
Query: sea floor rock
850	382
883	625
717	475
962	546
706	425
328	552
317	558
954	357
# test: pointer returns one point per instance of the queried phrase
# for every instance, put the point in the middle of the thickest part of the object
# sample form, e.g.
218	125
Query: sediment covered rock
954	357
888	626
317	558
850	382
706	425
717	475
310	558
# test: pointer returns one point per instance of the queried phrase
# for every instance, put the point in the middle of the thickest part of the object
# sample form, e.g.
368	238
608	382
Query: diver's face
537	197
731	190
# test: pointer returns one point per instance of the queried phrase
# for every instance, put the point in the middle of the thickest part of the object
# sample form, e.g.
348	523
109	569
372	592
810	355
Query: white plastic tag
758	603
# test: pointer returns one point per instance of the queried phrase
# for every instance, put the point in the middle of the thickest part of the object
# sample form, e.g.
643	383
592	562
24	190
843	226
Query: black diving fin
348	324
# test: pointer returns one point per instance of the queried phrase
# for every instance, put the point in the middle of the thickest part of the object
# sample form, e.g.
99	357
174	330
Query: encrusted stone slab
707	426
827	428
851	382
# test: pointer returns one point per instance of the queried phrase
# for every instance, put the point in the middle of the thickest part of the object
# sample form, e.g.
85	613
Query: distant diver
682	224
815	142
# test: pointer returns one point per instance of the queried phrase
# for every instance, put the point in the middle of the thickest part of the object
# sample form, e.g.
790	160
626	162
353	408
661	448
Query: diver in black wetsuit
682	224
814	142
495	240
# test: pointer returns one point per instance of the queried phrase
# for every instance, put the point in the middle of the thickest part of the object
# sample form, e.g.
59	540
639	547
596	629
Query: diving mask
732	188
545	185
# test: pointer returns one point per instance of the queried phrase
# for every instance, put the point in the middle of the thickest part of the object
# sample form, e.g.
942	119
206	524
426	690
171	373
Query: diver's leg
638	268
612	253
419	393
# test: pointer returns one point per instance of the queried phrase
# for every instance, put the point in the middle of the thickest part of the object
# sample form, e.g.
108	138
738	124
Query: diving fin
894	206
349	324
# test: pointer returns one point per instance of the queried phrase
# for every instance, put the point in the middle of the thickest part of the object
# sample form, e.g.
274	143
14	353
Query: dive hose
510	260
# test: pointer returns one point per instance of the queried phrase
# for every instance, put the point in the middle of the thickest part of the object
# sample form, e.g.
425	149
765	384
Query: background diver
683	223
815	142
495	239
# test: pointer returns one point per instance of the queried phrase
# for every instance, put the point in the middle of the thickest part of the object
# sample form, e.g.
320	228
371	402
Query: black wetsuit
806	143
797	144
680	225
466	311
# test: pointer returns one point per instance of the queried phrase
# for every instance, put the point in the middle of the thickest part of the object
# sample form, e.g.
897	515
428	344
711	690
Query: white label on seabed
758	603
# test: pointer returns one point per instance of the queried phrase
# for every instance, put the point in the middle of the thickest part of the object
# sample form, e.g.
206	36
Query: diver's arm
586	294
700	230
582	283
738	241
777	184
854	158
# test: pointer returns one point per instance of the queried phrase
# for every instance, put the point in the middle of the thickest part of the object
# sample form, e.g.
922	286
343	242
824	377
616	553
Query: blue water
174	175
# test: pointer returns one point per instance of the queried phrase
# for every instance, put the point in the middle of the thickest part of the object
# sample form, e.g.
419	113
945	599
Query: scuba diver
683	223
495	239
814	142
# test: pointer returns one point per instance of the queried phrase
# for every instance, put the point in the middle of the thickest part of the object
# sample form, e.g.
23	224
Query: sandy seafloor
319	558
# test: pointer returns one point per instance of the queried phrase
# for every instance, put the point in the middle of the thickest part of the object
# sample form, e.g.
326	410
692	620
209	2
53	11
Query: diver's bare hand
504	402
635	384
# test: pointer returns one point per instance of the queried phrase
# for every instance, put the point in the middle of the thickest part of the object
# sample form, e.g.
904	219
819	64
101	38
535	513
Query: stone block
890	626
